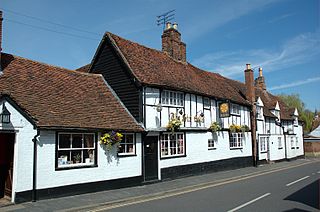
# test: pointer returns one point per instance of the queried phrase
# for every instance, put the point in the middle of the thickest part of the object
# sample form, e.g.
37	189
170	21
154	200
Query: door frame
143	160
11	197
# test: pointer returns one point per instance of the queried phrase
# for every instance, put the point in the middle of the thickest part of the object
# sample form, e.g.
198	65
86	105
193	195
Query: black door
150	158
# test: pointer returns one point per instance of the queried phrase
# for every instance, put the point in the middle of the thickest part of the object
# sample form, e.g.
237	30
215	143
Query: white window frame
211	144
206	105
172	147
63	163
172	98
280	146
295	121
259	112
235	109
264	143
124	142
297	142
236	140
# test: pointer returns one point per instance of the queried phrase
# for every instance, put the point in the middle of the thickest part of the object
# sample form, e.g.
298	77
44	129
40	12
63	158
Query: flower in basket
244	128
174	124
235	128
111	138
214	127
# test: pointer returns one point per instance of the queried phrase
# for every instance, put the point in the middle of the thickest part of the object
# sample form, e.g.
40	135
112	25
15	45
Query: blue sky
281	36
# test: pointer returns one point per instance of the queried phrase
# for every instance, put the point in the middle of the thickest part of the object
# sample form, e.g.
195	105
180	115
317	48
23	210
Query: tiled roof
153	67
84	69
60	98
156	68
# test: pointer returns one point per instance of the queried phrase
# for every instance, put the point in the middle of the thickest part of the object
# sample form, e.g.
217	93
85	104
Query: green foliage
305	115
214	127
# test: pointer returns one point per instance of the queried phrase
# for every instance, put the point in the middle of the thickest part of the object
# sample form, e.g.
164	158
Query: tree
294	101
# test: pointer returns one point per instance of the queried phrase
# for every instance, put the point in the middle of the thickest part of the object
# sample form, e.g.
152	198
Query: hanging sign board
224	109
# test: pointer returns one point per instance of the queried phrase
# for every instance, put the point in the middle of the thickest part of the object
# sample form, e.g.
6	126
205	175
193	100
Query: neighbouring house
160	88
312	140
51	123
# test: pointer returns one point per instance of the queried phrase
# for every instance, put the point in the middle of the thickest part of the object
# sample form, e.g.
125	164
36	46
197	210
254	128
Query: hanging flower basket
174	123
214	127
238	128
111	139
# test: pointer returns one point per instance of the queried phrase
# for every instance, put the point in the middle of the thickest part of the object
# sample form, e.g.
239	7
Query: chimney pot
175	26
248	66
168	25
260	72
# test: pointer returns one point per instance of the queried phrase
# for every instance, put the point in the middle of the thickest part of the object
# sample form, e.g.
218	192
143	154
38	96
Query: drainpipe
34	180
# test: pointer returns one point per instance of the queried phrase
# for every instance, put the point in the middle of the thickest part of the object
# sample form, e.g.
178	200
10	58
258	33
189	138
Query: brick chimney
0	40
172	44
248	74
259	81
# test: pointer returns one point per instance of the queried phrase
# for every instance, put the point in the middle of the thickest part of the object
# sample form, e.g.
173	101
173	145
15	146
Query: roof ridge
58	68
152	49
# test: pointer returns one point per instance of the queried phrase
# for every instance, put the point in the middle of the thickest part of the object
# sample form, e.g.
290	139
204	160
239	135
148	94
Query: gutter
34	177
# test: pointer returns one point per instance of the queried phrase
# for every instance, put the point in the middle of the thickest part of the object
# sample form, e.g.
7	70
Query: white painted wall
109	165
197	149
267	126
23	150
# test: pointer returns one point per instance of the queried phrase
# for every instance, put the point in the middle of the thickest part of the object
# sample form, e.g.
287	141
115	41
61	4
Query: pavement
163	189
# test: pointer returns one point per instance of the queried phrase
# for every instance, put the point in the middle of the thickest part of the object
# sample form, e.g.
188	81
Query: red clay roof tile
61	98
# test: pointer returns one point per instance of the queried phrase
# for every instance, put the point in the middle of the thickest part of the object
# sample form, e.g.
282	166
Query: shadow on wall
111	154
308	195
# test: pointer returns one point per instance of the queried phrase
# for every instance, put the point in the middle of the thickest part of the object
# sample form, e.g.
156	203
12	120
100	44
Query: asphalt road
295	189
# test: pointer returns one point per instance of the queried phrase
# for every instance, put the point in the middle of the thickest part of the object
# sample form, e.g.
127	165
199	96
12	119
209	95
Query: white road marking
248	203
289	184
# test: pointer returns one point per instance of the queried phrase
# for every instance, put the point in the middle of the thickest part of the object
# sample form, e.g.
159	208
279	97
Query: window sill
212	148
76	167
126	155
234	114
292	148
232	148
280	148
264	152
170	157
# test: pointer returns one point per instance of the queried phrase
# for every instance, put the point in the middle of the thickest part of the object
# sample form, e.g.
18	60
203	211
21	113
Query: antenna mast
165	17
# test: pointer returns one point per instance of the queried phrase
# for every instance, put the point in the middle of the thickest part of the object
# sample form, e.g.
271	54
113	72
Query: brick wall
312	148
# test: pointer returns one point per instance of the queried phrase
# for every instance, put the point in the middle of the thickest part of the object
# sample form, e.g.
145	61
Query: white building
49	145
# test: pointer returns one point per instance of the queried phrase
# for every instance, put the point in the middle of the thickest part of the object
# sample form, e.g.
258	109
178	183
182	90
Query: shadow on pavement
308	195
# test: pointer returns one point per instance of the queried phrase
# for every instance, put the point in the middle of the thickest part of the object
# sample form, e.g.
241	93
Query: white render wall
267	127
109	165
23	150
197	149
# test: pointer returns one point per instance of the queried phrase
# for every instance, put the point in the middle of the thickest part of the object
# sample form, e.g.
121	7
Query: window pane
88	141
64	140
76	156
77	141
63	157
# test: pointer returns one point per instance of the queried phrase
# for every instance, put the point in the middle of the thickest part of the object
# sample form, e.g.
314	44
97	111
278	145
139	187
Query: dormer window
295	120
259	112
